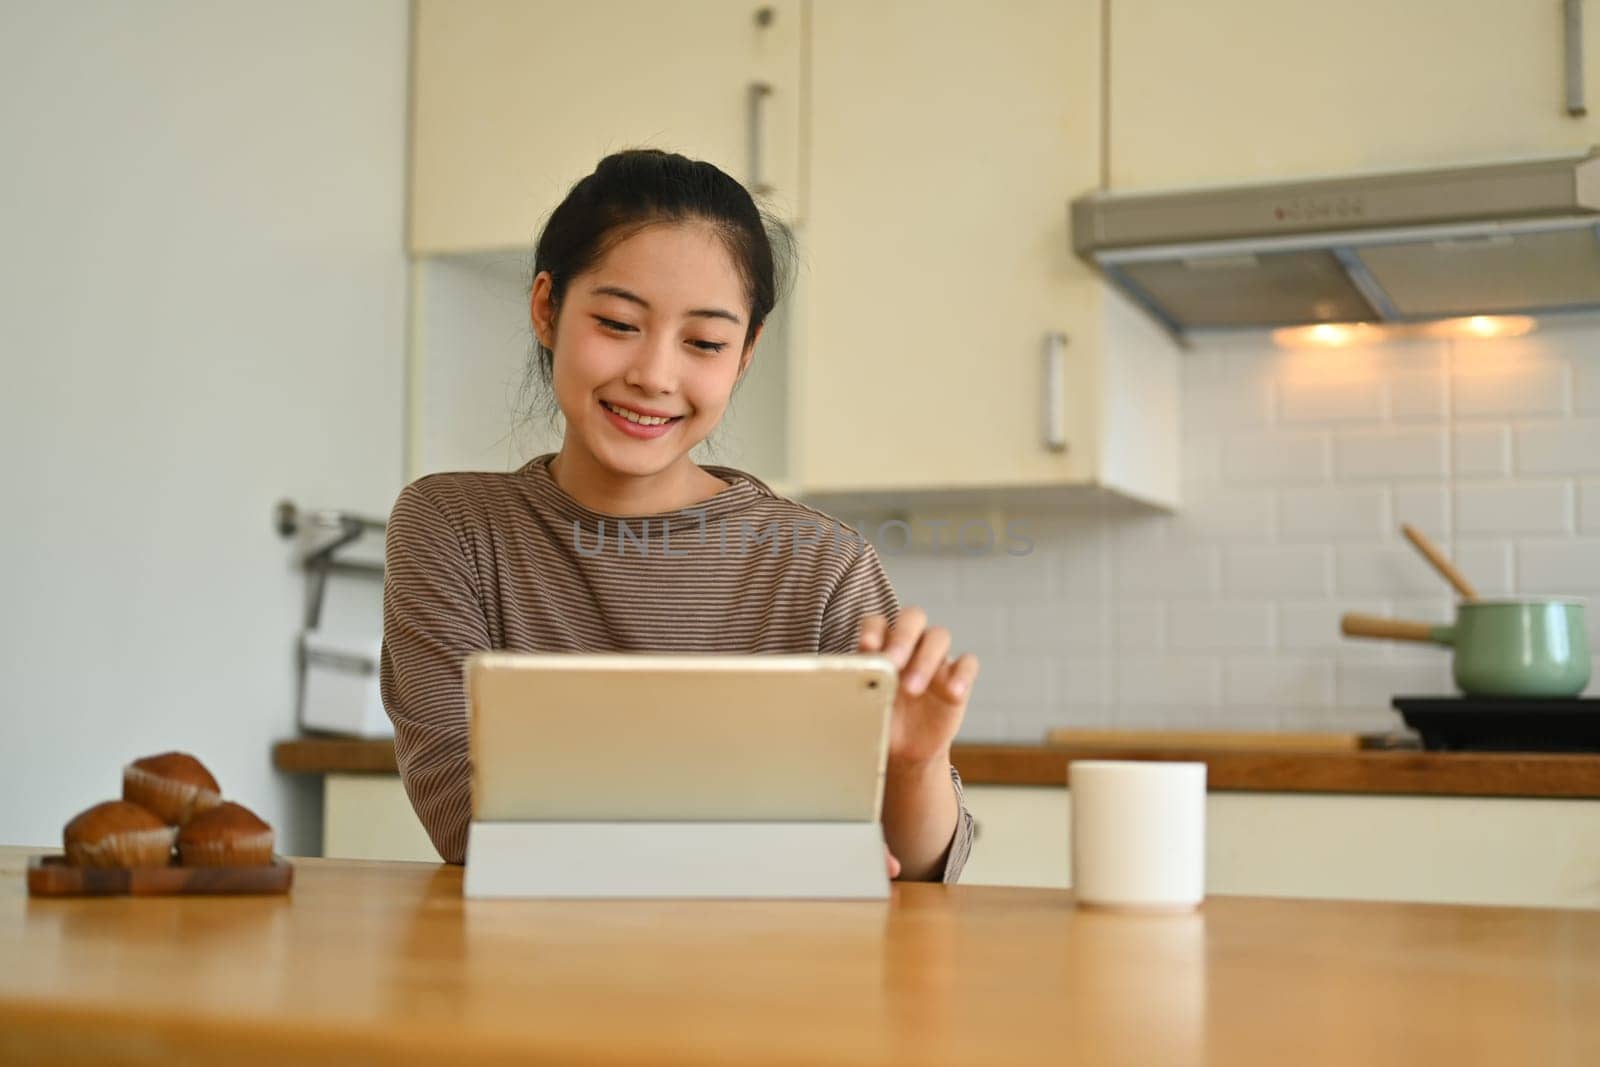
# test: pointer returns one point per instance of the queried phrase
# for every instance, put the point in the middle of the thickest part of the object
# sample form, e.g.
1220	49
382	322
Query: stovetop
1503	724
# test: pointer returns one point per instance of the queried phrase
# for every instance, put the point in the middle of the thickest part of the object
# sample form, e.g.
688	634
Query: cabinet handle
1574	44
1055	392
755	121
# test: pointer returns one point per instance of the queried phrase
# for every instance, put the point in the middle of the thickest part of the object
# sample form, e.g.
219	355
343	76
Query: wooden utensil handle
1440	563
1356	625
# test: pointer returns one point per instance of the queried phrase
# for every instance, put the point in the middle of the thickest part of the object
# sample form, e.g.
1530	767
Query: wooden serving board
53	876
1284	741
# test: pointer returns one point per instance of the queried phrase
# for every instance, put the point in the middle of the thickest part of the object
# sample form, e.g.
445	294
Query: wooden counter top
1392	772
385	963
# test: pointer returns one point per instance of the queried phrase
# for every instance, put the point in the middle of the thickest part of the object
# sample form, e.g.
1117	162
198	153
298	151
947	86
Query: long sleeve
866	590
432	620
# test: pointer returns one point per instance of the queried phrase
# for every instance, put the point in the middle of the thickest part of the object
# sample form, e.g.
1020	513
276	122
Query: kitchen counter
371	962
1297	821
1482	774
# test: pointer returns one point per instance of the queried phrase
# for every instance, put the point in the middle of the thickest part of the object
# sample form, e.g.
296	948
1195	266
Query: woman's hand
893	864
932	695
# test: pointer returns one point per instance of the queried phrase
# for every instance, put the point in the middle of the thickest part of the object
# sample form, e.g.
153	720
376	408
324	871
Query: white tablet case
691	775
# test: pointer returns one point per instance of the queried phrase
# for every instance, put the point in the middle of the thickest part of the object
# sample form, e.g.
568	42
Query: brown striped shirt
512	561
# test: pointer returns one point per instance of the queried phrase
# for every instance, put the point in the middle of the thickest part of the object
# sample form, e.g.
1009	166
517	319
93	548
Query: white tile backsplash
1384	570
1084	682
1169	681
1202	457
1589	507
1297	469
1410	452
1216	405
1588	384
1525	508
1296	570
1559	447
1333	514
1283	681
1373	685
1275	458
1139	628
1416	395
1060	627
1005	578
1487	565
1481	451
1169	573
1558	567
1507	378
1353	399
1427	507
1235	516
1219	627
1314	627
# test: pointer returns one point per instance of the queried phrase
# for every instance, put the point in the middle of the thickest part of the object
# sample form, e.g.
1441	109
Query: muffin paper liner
128	848
174	802
244	850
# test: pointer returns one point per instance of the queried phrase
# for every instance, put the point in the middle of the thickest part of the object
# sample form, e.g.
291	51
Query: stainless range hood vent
1411	246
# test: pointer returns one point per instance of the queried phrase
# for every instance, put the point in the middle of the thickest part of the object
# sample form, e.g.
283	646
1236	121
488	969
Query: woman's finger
903	638
955	679
892	863
927	659
870	637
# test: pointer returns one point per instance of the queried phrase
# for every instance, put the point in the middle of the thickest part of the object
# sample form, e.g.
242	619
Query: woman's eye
615	326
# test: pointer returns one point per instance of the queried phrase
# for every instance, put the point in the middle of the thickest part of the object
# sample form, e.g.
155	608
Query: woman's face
655	329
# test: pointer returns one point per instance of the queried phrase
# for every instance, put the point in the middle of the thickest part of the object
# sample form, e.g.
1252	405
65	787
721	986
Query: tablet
684	737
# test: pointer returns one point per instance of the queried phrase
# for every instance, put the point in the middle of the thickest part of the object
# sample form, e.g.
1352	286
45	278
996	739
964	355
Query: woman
653	280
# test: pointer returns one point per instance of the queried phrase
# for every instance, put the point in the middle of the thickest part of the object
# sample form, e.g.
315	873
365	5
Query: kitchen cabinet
1533	852
369	817
514	100
1246	90
945	141
940	336
1446	827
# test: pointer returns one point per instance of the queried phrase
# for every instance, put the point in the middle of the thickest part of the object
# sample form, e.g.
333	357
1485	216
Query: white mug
1138	834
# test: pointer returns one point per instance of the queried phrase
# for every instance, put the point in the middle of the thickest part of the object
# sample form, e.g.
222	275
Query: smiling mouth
636	418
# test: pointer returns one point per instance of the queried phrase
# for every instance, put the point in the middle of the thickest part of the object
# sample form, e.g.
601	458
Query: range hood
1507	238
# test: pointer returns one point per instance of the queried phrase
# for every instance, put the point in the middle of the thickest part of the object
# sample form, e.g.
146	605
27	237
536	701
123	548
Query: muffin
118	833
174	785
229	835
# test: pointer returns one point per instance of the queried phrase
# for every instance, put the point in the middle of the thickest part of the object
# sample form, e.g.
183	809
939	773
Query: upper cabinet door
515	100
947	137
1240	90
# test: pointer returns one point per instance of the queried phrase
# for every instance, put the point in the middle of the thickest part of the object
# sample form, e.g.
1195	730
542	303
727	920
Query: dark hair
634	189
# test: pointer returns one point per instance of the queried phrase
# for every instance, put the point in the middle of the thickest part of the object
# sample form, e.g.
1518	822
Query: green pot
1531	647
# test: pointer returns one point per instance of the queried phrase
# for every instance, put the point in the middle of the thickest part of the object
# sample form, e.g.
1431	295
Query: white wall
1298	467
201	312
473	344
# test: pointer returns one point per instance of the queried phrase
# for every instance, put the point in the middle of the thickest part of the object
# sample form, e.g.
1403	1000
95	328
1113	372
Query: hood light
1344	334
